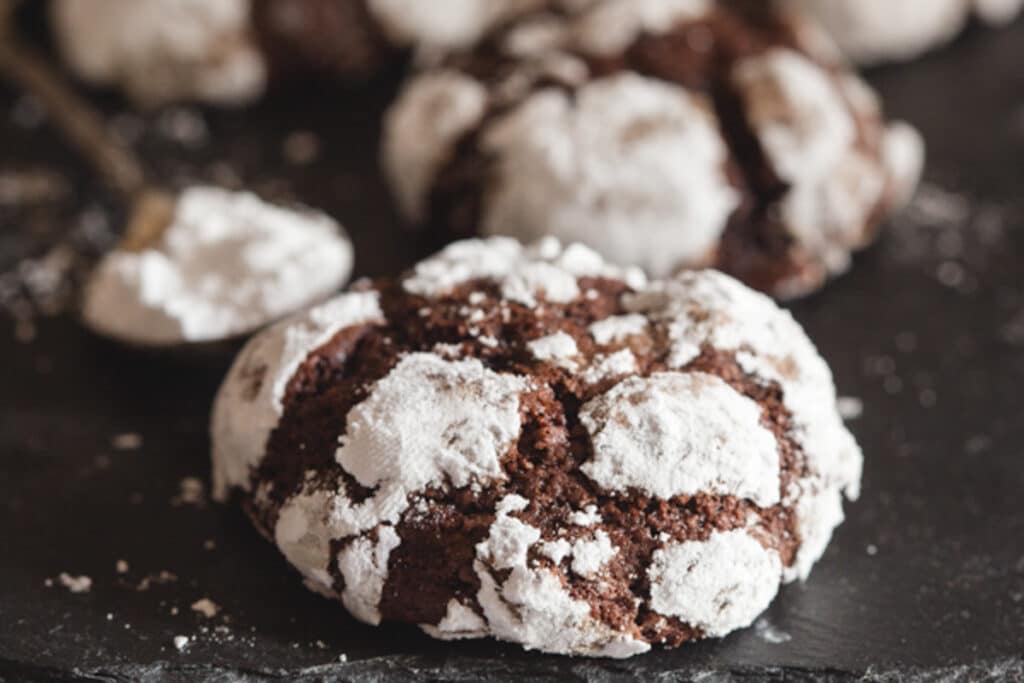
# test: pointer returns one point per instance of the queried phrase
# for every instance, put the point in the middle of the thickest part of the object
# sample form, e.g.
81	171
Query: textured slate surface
925	581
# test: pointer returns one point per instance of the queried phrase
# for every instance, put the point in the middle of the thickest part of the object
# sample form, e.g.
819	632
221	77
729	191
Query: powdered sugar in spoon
197	267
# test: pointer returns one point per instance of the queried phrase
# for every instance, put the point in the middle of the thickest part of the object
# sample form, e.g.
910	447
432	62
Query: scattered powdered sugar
228	263
248	405
625	155
871	31
364	565
422	128
524	272
717	585
953	234
531	606
770	633
428	421
48	284
618	328
680	434
163	50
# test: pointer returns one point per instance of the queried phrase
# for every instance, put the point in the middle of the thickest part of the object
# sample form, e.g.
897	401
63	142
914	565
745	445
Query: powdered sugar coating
619	124
543	268
708	308
590	555
904	155
808	134
449	24
720	585
531	606
559	347
998	12
613	25
364	565
872	31
459	622
625	155
229	263
163	50
676	434
303	536
617	328
606	366
428	118
505	464
429	421
249	403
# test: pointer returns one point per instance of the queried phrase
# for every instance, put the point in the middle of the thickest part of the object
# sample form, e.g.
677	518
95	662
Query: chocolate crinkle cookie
872	31
224	51
662	133
529	444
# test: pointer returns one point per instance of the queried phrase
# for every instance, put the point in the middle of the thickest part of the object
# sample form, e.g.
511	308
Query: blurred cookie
222	52
159	51
529	444
872	31
665	135
227	264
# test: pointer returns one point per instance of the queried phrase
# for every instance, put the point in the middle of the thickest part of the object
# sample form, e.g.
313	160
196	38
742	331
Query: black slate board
925	580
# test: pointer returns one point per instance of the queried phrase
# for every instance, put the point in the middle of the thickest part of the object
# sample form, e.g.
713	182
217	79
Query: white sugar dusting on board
940	224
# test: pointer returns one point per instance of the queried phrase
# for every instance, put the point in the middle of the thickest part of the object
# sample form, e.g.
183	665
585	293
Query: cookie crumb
159	578
208	608
121	567
300	147
191	491
75	584
128	441
180	643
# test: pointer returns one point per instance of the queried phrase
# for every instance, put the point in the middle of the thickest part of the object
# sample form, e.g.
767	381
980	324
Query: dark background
925	579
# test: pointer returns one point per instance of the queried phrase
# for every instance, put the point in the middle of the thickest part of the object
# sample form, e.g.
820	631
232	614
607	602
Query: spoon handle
79	122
